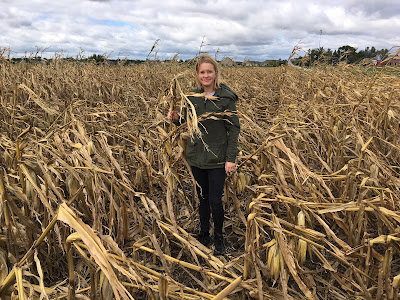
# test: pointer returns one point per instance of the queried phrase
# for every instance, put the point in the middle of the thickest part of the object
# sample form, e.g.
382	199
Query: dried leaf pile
97	201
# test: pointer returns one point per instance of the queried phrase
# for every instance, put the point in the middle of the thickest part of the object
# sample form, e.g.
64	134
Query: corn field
97	200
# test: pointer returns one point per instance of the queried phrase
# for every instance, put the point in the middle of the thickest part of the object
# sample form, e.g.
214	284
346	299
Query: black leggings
209	191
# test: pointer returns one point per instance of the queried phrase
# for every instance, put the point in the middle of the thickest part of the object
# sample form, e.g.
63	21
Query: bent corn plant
97	199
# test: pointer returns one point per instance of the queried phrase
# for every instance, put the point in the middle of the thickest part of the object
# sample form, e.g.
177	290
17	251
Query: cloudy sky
240	29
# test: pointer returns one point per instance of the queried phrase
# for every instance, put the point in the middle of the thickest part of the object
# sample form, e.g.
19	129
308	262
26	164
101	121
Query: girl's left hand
229	167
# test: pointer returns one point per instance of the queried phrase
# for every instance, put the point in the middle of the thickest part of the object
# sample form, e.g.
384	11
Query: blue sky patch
113	23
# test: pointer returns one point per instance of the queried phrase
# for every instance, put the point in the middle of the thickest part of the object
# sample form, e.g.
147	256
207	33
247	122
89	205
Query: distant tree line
345	53
101	59
95	58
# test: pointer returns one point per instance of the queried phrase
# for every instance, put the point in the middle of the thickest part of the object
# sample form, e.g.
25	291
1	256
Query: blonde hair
208	59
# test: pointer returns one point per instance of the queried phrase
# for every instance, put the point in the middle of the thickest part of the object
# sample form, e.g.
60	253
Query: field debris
97	201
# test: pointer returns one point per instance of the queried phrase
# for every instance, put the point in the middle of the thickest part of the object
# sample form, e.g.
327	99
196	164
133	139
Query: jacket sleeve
232	126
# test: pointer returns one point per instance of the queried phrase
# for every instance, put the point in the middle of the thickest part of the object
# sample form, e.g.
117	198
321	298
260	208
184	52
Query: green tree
97	58
348	53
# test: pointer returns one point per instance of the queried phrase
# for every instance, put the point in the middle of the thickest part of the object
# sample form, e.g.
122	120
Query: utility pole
320	34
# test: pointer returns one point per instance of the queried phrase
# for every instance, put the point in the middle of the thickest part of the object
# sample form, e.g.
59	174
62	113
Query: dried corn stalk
317	179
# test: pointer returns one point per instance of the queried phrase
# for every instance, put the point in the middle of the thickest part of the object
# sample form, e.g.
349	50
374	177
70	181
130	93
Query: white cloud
259	29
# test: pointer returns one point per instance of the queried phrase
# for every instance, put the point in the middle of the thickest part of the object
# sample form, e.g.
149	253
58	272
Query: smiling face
206	74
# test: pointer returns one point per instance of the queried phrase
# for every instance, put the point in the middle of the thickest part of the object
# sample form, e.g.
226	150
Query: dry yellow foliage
97	198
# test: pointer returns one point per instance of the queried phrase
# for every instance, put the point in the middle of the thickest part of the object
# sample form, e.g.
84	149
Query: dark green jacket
219	140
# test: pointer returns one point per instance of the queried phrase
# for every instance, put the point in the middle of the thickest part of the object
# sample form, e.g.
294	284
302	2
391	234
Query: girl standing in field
214	155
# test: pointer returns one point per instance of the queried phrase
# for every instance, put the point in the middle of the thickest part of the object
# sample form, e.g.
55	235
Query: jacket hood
226	91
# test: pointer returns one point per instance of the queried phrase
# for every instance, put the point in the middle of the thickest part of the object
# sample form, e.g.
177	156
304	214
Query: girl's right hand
172	115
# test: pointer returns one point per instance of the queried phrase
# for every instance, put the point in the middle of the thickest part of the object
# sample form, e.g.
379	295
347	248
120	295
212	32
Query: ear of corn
3	264
302	244
396	281
20	285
